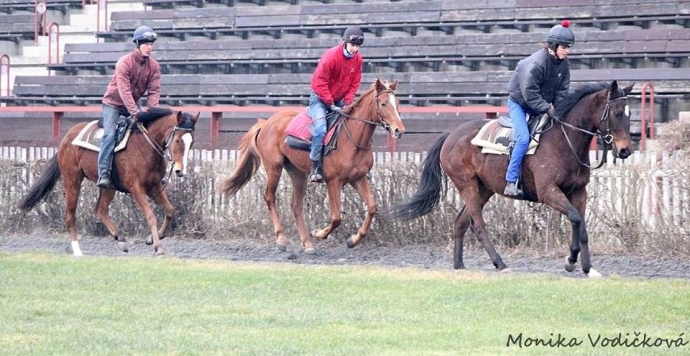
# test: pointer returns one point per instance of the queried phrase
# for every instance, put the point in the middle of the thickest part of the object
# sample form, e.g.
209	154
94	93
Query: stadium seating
16	27
11	6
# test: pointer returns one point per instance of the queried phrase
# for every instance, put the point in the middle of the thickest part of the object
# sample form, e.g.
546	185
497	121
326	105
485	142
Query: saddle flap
298	130
495	138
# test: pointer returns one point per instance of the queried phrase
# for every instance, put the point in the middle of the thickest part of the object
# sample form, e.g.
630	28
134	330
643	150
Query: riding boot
512	189
315	175
104	181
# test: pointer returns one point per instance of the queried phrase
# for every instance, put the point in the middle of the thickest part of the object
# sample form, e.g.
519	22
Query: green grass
55	304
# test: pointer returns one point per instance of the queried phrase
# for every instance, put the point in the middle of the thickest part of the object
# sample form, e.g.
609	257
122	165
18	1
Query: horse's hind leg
475	198
299	190
102	211
462	222
364	190
273	173
72	185
157	193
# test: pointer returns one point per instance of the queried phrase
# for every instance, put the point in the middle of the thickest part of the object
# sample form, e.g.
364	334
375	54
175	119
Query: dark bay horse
264	143
556	174
137	169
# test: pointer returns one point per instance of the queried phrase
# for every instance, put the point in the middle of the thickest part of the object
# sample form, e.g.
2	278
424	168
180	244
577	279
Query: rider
334	85
539	81
136	73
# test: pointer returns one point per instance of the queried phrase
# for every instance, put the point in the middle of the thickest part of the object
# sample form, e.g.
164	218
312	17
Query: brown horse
138	170
556	174
349	163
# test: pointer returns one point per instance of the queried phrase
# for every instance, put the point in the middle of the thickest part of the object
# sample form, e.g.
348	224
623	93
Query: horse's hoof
123	246
594	273
350	244
506	270
315	234
309	251
569	266
281	247
149	240
159	252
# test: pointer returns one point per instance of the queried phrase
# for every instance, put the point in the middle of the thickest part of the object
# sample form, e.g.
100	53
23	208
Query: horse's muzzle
624	153
396	132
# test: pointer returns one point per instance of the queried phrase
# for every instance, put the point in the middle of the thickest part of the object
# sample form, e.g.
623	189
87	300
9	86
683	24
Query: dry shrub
613	215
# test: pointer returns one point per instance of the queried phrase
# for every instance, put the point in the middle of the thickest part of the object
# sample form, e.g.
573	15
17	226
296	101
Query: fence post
5	71
643	114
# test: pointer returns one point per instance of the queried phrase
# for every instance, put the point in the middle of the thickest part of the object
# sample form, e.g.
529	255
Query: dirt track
336	253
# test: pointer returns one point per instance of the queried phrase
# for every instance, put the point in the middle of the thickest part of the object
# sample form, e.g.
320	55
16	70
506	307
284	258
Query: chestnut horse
137	169
556	174
264	143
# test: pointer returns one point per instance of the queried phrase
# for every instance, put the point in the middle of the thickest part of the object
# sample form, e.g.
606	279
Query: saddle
90	136
299	135
497	136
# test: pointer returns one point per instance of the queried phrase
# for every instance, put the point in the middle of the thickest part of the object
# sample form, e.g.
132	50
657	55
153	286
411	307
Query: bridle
163	150
380	121
606	138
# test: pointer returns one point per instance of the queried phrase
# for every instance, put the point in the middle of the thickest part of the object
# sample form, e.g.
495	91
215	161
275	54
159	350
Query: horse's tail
40	189
428	192
249	162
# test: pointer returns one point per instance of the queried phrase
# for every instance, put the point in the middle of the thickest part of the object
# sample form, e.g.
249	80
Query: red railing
643	114
489	112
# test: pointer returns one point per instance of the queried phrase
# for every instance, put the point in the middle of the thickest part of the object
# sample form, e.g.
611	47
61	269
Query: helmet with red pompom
561	34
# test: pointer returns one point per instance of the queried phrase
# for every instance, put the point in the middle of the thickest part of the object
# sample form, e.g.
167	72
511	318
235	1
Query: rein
373	123
162	151
606	138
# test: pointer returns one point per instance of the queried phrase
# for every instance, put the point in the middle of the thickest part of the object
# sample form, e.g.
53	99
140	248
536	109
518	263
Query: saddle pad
495	139
90	138
299	128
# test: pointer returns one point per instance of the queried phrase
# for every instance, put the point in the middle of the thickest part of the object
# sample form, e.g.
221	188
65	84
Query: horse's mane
574	96
153	114
364	95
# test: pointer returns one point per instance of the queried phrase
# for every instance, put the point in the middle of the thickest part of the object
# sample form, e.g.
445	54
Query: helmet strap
346	52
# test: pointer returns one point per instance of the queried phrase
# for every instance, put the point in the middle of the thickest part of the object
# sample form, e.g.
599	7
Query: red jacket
337	77
134	76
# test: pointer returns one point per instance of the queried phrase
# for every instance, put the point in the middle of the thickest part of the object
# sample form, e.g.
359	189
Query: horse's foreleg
364	191
140	198
105	197
157	193
72	189
299	190
334	193
273	178
574	209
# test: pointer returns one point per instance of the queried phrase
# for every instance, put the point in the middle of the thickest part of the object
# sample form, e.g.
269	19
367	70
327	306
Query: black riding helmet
353	35
144	34
561	35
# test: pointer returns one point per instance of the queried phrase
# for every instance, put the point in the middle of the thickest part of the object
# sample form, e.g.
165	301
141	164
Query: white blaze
187	139
391	98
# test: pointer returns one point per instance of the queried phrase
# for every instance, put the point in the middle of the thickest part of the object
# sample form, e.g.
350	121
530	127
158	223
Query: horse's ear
196	117
379	85
394	85
628	89
180	118
613	89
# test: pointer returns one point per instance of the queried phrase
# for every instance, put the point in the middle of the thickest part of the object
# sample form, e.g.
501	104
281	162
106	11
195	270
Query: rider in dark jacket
539	82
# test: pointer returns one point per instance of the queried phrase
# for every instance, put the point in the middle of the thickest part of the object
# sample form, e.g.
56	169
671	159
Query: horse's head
387	105
181	140
615	120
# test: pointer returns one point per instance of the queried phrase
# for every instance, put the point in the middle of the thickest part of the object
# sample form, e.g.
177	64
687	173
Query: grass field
58	304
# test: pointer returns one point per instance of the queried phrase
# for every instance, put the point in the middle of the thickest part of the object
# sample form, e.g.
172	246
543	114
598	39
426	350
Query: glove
551	111
334	108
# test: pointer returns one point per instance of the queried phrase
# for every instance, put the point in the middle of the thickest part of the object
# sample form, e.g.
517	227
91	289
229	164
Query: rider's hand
551	111
334	108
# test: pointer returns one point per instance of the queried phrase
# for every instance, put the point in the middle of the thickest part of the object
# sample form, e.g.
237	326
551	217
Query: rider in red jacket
334	85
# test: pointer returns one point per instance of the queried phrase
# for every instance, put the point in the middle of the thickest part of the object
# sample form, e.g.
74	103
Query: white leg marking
76	250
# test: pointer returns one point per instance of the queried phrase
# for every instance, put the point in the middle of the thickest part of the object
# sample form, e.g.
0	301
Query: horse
556	174
265	143
138	169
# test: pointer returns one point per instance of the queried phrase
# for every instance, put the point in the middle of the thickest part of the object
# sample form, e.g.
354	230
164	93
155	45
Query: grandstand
446	54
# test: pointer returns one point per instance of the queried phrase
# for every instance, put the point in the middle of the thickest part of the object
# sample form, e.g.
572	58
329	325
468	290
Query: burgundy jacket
134	76
337	77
